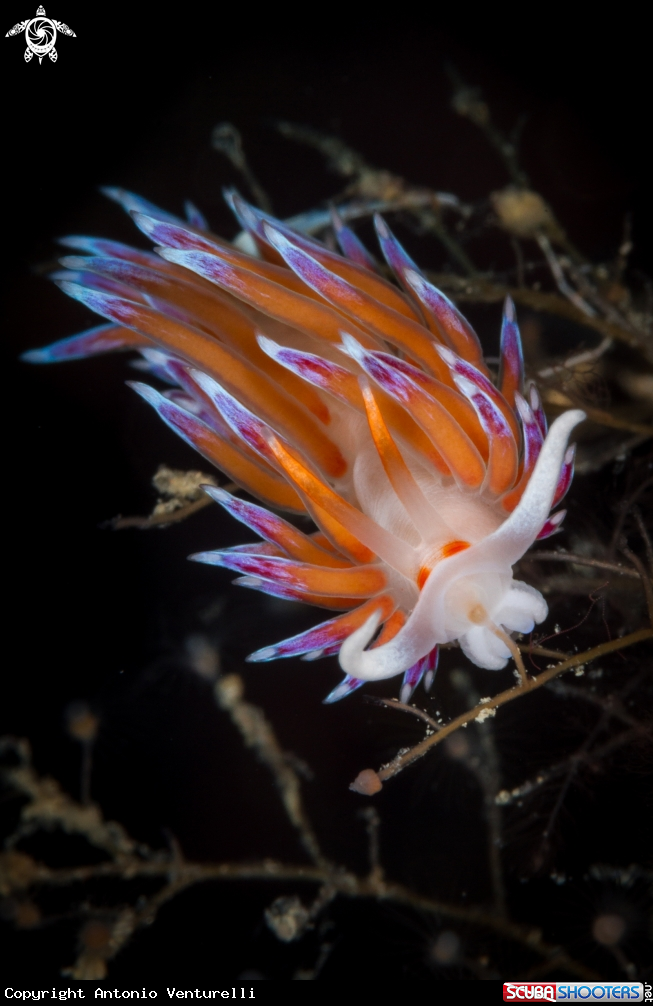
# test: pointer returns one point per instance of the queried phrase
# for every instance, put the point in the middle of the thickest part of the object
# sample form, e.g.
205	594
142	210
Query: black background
102	616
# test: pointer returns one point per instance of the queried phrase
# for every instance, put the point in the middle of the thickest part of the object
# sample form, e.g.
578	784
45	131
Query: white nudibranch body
468	595
320	388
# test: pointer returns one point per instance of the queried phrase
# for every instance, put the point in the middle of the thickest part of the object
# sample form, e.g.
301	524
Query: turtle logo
40	35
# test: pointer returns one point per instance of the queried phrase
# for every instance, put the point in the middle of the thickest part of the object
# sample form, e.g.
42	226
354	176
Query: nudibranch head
319	387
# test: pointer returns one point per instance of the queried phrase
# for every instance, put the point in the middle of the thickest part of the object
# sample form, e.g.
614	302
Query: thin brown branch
468	102
507	797
542	651
586	356
419	750
624	507
343	882
486	771
514	649
380	190
226	139
403	707
645	578
412	201
483	290
258	734
431	220
49	807
561	281
610	704
158	519
555	397
590	291
373	825
164	518
648	545
573	765
582	560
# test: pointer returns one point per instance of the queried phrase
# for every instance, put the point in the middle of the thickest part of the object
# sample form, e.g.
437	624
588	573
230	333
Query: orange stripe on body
451	548
395	467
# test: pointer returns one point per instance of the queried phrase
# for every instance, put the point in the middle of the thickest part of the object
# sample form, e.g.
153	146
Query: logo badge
572	991
40	35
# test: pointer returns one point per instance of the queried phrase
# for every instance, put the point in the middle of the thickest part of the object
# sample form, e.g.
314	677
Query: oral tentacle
520	529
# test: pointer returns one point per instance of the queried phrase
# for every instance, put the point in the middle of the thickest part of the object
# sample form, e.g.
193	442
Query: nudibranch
321	388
